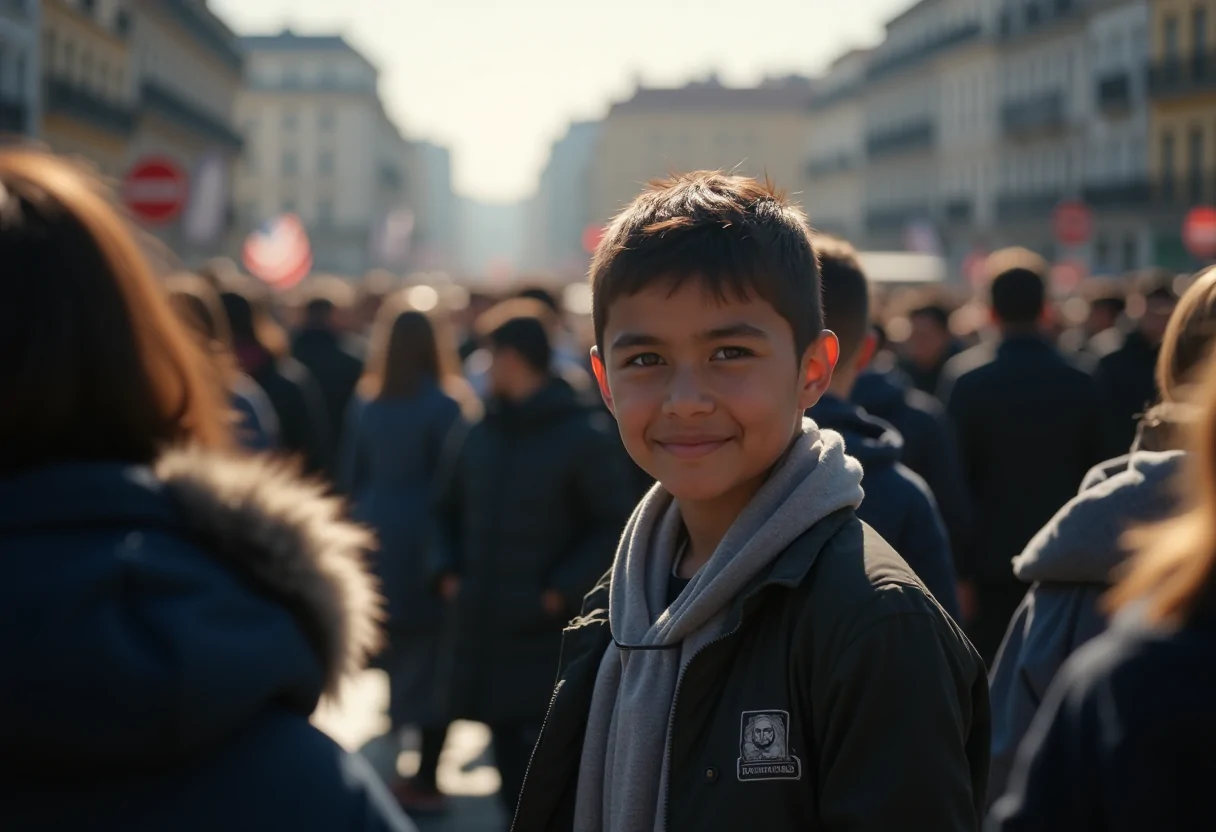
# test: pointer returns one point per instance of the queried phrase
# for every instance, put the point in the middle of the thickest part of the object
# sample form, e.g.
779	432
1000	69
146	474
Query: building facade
1182	132
20	87
437	236
558	215
835	154
758	131
319	144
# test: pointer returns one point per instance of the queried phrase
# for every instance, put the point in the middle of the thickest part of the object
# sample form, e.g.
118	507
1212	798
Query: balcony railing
828	165
883	65
1128	193
1183	76
1136	194
1037	114
958	210
1027	205
163	101
1115	91
906	138
1022	17
207	30
63	98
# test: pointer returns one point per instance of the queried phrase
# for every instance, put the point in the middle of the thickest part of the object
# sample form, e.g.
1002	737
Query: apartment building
835	190
20	86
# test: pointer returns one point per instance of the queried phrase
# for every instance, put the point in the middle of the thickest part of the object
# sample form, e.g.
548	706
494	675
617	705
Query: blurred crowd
1009	439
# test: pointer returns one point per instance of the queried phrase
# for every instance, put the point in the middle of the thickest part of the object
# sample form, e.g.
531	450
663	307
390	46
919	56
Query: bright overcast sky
498	81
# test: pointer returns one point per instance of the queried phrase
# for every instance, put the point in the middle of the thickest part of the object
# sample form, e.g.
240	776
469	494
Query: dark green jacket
880	701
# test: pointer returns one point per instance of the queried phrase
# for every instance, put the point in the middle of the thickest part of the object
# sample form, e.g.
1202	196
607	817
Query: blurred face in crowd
509	375
1156	315
708	393
1101	318
927	342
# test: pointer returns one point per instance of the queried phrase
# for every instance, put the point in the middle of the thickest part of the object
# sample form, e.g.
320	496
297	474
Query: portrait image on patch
764	747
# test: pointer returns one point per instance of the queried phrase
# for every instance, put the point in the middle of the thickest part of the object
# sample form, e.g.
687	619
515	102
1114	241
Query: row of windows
1171	39
12	72
289	122
1185	166
289	162
63	59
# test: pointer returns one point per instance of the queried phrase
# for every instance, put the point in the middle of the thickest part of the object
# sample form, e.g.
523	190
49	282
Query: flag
278	252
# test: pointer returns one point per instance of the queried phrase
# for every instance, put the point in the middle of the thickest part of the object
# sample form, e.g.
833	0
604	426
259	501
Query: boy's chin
694	489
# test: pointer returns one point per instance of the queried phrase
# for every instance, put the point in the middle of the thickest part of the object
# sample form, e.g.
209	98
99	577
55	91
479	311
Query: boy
756	658
898	504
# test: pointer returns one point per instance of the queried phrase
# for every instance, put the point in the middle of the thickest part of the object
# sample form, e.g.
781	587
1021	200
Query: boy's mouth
691	447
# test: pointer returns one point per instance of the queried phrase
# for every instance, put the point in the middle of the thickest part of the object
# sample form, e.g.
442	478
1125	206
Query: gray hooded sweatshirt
1069	563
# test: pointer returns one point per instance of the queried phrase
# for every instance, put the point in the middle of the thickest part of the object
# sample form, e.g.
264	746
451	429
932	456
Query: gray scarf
623	776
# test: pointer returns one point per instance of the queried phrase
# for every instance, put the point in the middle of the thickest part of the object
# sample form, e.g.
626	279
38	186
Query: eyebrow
629	340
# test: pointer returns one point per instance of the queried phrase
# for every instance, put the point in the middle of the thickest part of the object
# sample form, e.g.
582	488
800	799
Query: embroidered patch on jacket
764	747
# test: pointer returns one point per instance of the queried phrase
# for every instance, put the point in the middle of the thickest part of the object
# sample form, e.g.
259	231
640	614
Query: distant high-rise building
558	215
319	144
835	156
20	83
437	238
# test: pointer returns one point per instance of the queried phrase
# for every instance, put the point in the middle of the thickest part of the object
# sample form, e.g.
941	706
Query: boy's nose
687	396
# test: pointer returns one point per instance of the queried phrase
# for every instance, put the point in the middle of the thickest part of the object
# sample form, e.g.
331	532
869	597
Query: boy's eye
730	353
646	359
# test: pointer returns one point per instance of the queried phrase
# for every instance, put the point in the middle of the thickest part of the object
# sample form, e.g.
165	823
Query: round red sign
1072	222
1199	232
155	189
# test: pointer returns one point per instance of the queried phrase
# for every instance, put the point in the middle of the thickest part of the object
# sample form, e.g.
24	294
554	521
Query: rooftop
792	93
289	41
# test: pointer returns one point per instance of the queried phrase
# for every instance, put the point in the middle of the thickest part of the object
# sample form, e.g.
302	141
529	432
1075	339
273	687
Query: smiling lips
691	447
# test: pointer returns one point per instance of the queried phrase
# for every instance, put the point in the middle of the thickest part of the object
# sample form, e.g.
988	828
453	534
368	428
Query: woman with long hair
1124	738
171	612
198	304
1070	562
405	414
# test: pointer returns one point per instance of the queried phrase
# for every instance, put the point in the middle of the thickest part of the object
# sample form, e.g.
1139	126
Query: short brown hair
846	293
1188	337
737	236
96	364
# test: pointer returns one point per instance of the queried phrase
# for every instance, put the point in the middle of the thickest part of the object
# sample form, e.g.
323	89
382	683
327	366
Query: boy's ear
817	366
601	378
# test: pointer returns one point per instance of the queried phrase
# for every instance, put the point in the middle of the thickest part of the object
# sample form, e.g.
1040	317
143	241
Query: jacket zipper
671	728
531	759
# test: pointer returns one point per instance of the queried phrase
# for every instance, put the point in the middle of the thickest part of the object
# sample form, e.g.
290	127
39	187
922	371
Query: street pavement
358	721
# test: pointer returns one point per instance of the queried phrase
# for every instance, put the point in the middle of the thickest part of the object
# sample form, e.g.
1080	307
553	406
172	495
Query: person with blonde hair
1123	740
171	611
1069	563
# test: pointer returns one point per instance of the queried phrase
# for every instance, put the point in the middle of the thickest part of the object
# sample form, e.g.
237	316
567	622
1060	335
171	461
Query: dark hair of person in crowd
97	365
1019	286
248	309
409	349
738	237
1156	284
198	304
938	313
543	295
325	296
518	325
1114	305
846	293
1173	575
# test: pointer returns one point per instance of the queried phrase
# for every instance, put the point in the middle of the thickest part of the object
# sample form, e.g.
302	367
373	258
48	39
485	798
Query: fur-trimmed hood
151	612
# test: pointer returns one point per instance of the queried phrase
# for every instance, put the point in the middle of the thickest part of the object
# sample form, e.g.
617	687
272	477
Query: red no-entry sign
1199	232
155	189
1072	222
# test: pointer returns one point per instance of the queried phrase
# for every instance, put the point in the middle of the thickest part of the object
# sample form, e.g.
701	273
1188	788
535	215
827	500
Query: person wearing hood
172	612
898	503
1071	562
930	444
530	506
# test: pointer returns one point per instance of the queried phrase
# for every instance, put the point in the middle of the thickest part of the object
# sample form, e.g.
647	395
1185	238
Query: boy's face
707	393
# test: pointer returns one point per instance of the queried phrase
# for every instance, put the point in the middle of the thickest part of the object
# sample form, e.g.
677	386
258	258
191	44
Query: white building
557	215
1117	185
319	144
836	156
19	61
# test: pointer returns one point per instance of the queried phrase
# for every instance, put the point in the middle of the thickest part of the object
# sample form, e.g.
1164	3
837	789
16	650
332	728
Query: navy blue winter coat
167	633
898	504
930	445
1069	564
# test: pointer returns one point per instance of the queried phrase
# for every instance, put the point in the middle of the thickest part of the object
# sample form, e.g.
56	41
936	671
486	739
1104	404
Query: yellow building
1182	85
755	131
88	100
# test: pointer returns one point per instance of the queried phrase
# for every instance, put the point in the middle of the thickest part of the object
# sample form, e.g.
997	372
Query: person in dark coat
291	388
171	611
1072	561
333	362
1123	740
529	516
930	445
898	503
390	459
1125	376
1029	430
928	347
